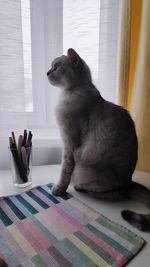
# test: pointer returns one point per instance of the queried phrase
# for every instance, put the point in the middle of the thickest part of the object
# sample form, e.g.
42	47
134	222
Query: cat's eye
55	68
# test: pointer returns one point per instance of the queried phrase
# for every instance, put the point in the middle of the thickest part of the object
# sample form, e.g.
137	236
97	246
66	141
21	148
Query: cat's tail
142	194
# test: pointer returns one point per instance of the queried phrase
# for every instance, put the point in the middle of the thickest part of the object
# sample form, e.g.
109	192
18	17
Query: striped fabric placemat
38	229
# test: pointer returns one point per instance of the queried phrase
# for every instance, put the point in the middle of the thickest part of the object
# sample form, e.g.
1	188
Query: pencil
14	139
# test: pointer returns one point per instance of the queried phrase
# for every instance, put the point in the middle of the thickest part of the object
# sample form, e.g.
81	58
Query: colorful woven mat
38	229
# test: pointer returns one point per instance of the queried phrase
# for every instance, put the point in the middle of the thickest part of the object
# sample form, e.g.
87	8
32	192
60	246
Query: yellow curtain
135	96
124	52
136	13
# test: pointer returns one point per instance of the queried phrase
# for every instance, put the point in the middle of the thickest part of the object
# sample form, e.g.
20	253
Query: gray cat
100	143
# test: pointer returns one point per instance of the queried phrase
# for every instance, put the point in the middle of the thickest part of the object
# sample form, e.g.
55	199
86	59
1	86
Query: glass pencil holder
21	166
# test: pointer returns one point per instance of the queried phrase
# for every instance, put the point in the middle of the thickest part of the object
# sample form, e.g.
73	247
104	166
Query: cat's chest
67	113
72	118
71	126
68	121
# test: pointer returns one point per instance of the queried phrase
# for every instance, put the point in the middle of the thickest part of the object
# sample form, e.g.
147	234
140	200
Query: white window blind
11	57
32	34
91	27
27	57
81	30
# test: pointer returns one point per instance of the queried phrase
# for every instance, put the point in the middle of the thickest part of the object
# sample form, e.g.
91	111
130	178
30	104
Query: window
81	30
33	33
91	27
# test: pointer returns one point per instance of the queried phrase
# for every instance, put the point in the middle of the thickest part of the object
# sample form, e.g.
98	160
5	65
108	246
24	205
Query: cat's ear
73	56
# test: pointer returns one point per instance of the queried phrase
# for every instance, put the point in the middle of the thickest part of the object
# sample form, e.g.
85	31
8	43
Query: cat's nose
48	73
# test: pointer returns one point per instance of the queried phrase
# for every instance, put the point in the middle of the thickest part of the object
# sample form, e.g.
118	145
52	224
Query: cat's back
113	128
111	116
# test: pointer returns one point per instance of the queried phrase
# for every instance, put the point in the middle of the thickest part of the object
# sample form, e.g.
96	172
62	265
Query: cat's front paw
57	190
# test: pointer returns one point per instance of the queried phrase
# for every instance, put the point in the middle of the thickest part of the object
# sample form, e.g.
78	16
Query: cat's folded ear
73	56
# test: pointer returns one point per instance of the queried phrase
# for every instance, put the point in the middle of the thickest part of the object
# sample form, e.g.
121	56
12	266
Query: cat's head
68	71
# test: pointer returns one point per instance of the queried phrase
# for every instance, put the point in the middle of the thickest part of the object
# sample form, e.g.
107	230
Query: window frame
46	16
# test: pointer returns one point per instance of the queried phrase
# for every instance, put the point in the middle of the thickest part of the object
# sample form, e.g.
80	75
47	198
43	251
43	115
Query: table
50	173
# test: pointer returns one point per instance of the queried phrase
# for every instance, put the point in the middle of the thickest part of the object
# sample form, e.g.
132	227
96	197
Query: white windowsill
47	137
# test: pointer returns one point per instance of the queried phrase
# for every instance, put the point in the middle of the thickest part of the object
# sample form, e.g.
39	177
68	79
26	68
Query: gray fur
100	143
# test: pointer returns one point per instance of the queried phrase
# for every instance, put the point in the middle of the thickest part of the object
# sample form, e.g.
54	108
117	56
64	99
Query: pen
20	139
21	168
21	152
10	142
29	139
24	157
14	139
24	138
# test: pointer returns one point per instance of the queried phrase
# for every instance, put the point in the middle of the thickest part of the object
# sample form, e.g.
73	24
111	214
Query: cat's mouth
50	76
55	80
51	79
